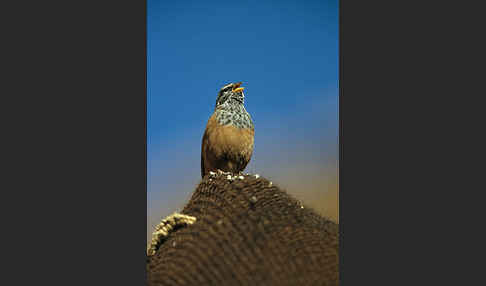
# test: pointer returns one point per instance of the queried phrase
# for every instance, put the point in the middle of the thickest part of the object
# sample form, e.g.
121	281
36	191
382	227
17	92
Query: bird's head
231	92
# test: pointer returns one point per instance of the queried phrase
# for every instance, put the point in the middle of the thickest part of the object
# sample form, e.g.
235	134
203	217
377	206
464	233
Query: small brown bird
227	143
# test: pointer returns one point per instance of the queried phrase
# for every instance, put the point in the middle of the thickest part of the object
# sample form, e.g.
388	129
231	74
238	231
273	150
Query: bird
228	140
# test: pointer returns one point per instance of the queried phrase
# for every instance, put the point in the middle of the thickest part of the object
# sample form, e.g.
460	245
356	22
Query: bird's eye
226	88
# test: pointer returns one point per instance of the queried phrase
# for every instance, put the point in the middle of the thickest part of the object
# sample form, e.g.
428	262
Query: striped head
232	92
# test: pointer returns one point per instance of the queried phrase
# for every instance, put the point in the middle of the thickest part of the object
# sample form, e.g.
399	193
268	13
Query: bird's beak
237	88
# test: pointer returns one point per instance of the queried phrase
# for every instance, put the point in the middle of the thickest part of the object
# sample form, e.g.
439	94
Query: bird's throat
233	114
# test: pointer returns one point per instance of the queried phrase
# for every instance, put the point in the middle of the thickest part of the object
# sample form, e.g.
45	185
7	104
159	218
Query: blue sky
286	55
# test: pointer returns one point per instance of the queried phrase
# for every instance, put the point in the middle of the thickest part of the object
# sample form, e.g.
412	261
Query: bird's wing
203	150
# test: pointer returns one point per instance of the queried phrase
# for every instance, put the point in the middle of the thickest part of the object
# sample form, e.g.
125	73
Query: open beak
237	88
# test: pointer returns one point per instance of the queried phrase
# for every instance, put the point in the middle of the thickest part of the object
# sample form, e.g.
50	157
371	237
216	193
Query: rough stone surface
248	232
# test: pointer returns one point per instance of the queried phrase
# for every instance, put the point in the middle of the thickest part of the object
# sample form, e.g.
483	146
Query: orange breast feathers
228	139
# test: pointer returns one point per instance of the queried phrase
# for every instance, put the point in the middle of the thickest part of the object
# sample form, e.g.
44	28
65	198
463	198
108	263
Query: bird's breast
229	138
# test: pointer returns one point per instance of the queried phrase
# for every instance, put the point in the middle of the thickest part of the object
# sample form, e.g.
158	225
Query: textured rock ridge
248	232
